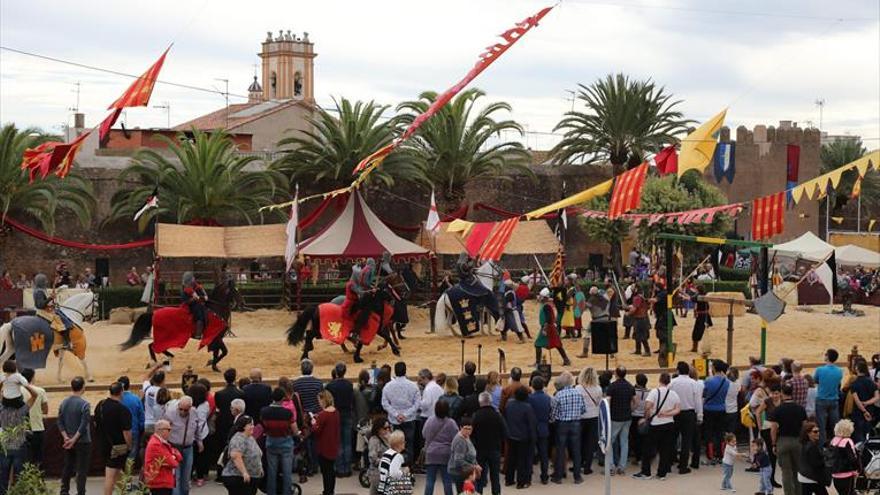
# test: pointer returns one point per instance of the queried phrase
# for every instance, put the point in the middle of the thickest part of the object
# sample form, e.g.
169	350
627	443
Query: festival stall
795	258
852	256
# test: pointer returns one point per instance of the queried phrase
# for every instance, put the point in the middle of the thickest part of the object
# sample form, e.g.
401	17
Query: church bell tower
288	67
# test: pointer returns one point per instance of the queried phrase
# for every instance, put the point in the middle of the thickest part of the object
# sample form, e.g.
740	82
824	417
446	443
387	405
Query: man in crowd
308	387
542	404
257	394
522	431
785	429
223	419
799	386
279	428
714	409
828	377
470	403
343	398
488	437
400	399
74	417
568	408
38	410
691	400
508	391
467	380
136	408
186	434
113	422
622	395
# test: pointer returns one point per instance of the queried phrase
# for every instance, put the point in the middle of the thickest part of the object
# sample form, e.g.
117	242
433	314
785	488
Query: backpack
746	417
840	459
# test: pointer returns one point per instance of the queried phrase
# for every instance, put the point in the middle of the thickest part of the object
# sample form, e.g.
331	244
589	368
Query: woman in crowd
589	388
463	455
362	395
391	464
325	428
203	410
439	432
160	461
452	398
764	400
244	466
812	474
846	456
375	447
493	386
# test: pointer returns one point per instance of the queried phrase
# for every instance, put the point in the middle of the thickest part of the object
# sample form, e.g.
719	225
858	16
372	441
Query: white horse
444	318
78	308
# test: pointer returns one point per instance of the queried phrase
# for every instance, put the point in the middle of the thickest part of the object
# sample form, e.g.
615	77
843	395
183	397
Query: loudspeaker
604	337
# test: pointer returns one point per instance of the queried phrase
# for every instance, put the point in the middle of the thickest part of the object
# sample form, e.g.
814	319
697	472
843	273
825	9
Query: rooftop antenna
76	107
571	98
820	102
226	95
166	105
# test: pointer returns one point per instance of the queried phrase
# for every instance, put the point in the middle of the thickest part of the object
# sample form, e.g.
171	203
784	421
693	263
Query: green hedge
119	297
730	274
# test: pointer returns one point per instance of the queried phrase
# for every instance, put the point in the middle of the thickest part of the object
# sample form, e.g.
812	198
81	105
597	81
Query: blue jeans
183	472
343	461
544	456
491	464
135	445
11	460
279	455
827	415
765	486
568	434
432	470
727	470
620	433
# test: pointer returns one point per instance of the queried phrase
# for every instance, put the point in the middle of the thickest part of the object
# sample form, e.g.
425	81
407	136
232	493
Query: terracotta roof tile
239	114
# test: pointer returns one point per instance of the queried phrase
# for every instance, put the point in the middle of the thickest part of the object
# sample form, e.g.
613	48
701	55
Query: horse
336	326
482	301
172	327
35	333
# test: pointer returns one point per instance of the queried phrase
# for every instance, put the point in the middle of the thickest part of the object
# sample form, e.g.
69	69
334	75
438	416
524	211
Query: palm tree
624	120
208	182
337	142
461	143
839	153
42	198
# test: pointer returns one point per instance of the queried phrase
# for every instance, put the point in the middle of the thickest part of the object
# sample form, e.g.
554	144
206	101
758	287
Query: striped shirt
389	467
308	388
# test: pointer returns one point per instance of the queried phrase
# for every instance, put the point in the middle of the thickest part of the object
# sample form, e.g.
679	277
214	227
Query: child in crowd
12	383
730	455
762	461
467	487
638	412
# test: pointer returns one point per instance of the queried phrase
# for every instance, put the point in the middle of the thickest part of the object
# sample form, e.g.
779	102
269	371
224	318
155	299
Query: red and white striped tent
358	233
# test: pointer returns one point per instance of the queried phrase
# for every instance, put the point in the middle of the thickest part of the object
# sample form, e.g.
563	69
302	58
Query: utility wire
723	12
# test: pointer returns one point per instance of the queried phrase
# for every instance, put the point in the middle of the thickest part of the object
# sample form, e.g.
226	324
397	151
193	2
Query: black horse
369	303
219	303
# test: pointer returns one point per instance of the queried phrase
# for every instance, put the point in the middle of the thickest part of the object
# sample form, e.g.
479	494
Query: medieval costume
661	312
399	292
522	293
510	312
702	318
46	309
194	296
627	300
364	290
638	313
548	336
568	319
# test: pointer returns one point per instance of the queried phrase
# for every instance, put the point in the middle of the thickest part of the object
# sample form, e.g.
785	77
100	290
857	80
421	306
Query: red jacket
326	431
159	462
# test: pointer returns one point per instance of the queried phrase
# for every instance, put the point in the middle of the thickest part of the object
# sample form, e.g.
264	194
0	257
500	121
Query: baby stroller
868	481
363	432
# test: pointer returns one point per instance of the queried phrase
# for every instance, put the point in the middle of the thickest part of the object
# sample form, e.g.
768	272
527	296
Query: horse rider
46	309
399	291
466	268
194	296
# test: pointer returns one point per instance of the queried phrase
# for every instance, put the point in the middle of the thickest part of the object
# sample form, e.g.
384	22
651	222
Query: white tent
806	246
852	255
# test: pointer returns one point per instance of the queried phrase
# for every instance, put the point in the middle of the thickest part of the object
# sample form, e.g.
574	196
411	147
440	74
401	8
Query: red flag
627	191
477	237
667	160
767	216
138	94
106	124
52	157
491	54
495	244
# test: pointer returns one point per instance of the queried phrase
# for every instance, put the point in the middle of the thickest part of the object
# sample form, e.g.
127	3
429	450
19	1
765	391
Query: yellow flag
837	220
699	146
581	197
871	223
459	225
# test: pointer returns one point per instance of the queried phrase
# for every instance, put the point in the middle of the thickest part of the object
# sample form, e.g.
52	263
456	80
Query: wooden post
670	345
763	288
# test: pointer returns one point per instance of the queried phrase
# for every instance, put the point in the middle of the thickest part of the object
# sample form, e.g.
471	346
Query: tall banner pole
670	345
762	288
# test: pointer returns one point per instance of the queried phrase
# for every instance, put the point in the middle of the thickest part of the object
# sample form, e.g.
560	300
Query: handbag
399	485
118	450
645	428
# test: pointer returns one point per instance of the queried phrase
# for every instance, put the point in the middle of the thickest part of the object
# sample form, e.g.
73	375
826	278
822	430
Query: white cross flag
432	225
290	250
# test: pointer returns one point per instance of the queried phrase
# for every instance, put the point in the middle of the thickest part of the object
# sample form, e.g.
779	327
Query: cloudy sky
767	61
